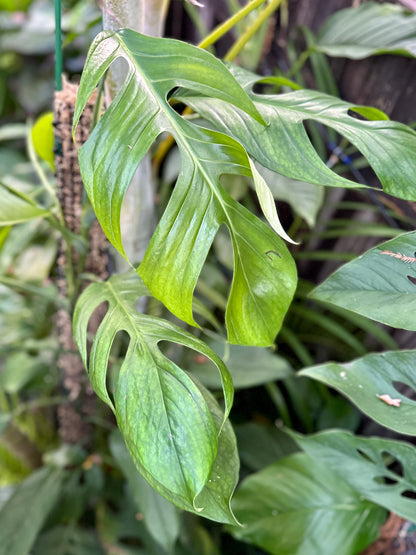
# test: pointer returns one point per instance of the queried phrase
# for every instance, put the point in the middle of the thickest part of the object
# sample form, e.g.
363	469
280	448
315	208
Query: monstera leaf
380	284
296	506
370	383
284	146
369	29
174	430
381	470
264	273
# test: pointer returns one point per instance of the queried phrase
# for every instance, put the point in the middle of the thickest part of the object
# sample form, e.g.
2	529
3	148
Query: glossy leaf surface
380	284
369	29
364	380
298	507
381	470
263	286
284	146
167	424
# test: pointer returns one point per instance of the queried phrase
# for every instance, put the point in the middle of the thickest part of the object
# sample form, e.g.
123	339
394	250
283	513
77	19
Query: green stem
251	30
300	62
222	29
38	168
279	402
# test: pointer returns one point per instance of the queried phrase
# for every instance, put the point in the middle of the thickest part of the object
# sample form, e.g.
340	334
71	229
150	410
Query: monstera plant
176	432
203	306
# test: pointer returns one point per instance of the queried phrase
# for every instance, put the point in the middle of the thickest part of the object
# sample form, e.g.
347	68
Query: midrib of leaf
181	138
353	506
140	338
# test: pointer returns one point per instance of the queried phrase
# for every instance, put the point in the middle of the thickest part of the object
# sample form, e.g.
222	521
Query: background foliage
308	468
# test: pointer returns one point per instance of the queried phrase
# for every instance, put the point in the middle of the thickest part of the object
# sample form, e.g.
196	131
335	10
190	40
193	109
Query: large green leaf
369	29
24	514
168	426
367	379
263	285
380	284
381	470
16	207
298	507
161	518
284	146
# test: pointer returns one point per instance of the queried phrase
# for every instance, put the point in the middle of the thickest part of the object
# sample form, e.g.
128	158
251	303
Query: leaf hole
356	114
385	480
408	494
96	318
341	155
116	357
405	390
392	464
412	279
365	456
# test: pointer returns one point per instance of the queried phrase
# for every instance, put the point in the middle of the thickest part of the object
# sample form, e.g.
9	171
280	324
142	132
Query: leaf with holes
262	287
170	428
297	507
367	30
366	380
381	470
380	284
284	146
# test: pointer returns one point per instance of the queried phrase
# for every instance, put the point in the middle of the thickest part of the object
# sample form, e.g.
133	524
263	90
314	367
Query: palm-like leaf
284	146
264	273
171	425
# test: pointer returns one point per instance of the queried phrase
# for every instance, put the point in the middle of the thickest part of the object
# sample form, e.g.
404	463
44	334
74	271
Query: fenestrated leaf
24	513
167	424
369	29
381	470
365	379
16	207
262	286
284	146
298	507
380	284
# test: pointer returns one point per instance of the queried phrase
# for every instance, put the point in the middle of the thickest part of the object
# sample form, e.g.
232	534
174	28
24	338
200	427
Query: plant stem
279	402
251	30
300	62
220	31
38	168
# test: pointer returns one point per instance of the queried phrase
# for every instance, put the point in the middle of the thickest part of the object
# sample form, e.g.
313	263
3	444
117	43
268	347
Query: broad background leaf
363	379
262	287
249	366
16	207
161	518
369	29
284	146
167	423
24	514
377	284
365	463
298	507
